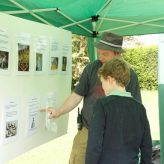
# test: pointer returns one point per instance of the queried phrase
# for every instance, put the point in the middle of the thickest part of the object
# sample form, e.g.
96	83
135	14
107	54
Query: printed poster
66	58
51	124
23	55
11	119
33	106
4	51
40	54
54	56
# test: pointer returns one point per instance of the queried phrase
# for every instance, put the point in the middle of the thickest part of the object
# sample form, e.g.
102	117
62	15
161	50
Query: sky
146	40
152	39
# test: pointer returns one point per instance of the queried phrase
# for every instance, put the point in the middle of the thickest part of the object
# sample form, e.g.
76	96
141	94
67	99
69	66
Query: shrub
79	57
144	61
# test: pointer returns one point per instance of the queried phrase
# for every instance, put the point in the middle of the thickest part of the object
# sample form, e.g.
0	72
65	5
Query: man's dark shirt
90	87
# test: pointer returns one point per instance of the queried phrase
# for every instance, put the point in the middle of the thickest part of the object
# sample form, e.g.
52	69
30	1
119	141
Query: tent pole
74	22
94	39
161	94
132	22
27	11
30	12
95	50
146	23
91	52
101	22
91	40
102	8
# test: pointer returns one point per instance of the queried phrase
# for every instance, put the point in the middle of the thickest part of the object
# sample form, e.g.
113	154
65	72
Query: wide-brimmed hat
110	41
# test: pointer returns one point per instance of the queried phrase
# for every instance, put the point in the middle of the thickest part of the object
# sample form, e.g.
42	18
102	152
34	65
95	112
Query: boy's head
113	73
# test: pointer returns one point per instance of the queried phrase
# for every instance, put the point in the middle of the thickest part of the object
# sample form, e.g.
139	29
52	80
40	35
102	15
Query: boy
119	127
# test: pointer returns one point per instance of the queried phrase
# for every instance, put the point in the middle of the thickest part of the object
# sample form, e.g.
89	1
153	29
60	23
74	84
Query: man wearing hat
90	90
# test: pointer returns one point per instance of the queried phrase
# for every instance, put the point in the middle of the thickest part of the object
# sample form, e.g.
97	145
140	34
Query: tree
79	57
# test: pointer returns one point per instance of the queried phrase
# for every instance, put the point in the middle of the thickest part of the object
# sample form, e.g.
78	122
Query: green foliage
144	61
79	57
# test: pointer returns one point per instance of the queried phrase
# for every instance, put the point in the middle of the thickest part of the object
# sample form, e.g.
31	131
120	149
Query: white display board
35	72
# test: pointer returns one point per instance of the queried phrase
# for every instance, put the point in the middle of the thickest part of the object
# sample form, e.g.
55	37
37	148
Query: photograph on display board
39	62
11	128
54	63
4	60
64	63
23	57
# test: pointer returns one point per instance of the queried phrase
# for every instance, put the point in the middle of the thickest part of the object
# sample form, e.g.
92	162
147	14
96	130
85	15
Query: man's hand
52	113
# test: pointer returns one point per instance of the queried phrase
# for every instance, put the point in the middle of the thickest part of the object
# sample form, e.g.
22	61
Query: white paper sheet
11	119
40	54
33	114
54	58
23	56
51	102
66	62
4	51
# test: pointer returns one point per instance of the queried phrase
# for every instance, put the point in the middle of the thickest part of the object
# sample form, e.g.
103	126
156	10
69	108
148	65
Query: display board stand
35	72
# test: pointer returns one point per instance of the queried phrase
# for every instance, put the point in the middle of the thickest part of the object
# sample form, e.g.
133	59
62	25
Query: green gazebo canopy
90	17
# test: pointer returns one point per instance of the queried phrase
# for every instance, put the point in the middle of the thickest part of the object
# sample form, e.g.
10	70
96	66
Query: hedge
144	61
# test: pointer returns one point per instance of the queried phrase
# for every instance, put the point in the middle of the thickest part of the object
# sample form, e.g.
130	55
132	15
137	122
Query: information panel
35	72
